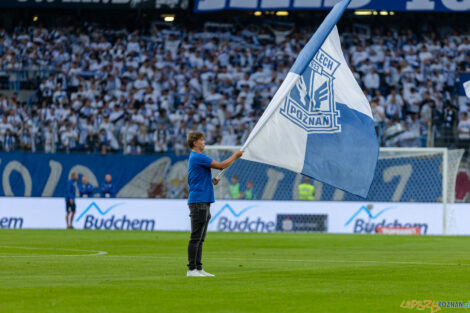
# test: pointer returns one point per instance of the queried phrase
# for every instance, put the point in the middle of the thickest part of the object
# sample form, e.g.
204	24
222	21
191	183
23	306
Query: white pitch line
301	261
93	252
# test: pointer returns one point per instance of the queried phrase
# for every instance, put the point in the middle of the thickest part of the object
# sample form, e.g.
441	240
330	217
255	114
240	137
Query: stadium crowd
102	90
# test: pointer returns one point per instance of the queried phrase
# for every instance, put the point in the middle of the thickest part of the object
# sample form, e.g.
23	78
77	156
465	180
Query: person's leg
72	215
197	228
203	237
67	213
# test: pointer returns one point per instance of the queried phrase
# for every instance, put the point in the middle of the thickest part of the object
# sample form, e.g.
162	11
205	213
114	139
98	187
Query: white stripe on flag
275	140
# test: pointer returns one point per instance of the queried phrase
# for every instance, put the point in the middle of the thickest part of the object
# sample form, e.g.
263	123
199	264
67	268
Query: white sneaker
204	273
194	273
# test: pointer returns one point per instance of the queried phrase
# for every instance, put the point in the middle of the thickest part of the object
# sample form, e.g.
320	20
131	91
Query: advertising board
230	216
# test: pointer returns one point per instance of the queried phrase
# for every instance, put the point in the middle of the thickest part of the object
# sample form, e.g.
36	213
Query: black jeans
200	216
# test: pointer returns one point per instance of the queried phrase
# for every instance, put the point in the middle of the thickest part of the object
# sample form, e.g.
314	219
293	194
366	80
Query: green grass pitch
64	271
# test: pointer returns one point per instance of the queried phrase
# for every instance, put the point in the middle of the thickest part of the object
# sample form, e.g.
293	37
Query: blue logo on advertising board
119	223
237	223
369	226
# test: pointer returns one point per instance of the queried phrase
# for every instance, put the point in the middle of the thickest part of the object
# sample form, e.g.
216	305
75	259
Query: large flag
319	123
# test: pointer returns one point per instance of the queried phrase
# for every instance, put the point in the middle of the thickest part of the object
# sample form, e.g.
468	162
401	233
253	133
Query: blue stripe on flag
347	159
314	44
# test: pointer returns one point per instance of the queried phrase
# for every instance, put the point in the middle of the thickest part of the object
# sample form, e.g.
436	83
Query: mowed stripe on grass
145	272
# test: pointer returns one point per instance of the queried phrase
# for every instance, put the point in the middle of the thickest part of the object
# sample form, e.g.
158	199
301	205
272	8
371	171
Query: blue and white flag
319	123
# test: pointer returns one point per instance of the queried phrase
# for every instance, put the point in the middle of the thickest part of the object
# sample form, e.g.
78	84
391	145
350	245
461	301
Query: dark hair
193	137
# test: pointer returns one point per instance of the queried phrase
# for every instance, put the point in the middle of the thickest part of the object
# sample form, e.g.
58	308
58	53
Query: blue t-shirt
200	178
70	190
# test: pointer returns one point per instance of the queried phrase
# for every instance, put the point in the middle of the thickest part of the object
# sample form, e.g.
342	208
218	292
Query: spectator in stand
133	148
393	129
372	80
413	101
378	115
27	140
412	133
103	141
8	141
160	139
107	187
448	123
128	83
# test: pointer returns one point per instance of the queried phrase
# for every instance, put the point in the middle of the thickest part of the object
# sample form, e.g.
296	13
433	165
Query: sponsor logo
301	222
237	222
287	224
91	221
369	225
311	103
11	222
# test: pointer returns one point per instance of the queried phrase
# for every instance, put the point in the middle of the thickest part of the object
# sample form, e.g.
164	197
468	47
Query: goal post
402	175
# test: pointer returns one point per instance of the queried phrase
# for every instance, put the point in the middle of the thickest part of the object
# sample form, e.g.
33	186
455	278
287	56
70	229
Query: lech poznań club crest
311	103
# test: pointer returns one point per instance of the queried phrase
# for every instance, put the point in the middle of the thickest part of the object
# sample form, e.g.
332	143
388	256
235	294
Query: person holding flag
201	195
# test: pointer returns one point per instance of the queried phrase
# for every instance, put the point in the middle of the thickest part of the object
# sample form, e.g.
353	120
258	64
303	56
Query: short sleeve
203	160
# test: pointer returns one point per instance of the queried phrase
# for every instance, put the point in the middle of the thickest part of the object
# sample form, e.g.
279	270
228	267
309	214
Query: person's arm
226	163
